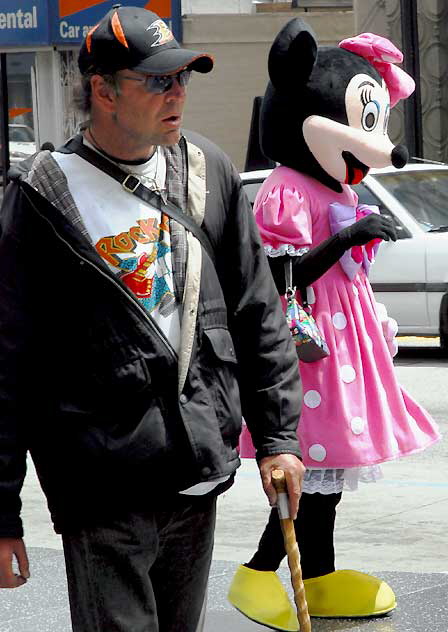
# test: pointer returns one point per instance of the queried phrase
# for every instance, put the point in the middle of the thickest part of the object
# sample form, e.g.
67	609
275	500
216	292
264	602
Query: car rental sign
76	17
66	22
23	23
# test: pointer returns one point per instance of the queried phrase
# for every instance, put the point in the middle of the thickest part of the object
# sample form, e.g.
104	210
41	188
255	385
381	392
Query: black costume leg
270	550
315	533
315	536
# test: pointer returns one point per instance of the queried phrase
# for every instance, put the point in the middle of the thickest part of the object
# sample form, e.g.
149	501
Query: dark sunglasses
158	84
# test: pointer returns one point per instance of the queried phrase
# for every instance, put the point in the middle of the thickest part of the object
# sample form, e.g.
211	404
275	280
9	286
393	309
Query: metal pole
4	129
411	63
176	13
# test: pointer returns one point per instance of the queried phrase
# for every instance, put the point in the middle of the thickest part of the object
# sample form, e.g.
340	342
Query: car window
251	190
365	196
20	134
424	194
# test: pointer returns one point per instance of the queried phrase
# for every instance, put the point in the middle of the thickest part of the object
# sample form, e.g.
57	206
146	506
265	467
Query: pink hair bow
357	257
383	55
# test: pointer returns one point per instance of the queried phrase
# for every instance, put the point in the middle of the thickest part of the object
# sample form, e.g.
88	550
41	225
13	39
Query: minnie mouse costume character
324	119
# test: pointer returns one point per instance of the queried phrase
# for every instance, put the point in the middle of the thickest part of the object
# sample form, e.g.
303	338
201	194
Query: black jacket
113	419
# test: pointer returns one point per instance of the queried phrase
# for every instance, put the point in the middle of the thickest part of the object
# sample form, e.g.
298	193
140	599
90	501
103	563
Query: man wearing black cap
139	321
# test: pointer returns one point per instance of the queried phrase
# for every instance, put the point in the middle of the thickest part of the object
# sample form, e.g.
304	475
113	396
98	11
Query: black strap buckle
130	183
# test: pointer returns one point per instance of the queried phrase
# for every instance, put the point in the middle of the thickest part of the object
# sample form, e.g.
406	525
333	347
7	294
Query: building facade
384	17
40	40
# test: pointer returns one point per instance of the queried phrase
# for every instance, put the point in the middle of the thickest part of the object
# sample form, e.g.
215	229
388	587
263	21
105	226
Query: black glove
309	267
371	227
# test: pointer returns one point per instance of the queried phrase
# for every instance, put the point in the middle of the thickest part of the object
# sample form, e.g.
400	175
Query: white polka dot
310	296
355	290
317	452
339	320
348	373
312	399
357	424
369	343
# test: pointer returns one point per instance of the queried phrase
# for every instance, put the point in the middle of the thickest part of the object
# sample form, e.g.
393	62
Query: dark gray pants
147	572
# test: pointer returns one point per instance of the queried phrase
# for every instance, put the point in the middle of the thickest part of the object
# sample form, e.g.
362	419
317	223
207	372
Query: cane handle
279	481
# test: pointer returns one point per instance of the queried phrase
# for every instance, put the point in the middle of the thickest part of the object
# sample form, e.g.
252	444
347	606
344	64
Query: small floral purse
310	344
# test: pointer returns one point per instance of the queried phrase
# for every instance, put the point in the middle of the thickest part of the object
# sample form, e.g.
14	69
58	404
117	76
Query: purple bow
352	260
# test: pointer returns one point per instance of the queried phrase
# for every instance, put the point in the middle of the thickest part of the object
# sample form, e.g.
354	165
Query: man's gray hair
82	90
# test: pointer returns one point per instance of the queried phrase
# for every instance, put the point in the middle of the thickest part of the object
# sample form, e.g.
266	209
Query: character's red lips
355	169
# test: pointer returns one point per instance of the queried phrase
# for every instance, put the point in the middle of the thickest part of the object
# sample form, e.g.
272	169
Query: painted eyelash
366	96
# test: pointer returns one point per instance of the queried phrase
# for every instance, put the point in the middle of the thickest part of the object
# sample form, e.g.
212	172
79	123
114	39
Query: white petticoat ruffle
334	481
285	249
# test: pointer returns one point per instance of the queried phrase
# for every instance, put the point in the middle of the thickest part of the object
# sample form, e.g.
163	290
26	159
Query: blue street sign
71	20
23	23
33	23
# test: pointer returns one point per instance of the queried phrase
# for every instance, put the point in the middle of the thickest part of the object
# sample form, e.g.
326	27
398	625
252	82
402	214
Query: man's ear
103	94
292	55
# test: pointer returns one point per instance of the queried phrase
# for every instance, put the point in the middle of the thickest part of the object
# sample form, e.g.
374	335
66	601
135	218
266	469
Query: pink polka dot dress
354	412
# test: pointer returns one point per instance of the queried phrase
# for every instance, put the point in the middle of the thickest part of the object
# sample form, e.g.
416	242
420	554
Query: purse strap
291	289
133	184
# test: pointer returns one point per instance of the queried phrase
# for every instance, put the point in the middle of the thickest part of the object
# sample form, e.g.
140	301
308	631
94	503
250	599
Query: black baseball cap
137	39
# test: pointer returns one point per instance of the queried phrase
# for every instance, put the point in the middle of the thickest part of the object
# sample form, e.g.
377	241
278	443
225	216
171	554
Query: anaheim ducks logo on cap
162	32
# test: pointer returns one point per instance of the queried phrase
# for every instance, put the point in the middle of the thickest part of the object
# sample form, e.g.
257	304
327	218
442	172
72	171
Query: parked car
21	145
21	142
410	276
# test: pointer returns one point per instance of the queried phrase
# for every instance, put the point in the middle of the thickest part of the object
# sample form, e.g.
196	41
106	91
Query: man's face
146	118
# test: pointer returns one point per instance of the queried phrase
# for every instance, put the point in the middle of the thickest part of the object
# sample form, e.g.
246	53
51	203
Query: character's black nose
400	156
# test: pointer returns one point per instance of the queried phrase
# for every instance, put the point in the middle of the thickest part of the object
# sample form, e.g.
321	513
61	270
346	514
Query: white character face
347	152
367	104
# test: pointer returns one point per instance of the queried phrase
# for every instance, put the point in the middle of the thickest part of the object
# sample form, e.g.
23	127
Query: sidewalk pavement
412	515
42	606
395	529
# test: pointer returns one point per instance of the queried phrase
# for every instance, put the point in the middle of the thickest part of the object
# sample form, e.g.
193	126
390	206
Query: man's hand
10	548
294	471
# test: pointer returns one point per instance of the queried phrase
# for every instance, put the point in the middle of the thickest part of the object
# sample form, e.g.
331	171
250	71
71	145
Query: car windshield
251	189
19	134
424	194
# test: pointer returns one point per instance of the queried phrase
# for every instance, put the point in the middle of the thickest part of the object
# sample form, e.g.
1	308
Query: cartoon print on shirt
146	231
145	271
137	279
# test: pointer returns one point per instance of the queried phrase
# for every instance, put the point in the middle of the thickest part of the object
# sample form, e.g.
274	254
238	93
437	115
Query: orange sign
69	7
161	7
13	112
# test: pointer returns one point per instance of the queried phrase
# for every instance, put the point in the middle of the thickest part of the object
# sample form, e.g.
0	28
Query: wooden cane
292	550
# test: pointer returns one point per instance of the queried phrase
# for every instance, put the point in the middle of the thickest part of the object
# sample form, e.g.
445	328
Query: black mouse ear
292	55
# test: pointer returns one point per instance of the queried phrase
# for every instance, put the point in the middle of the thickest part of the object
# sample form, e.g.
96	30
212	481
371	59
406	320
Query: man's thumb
22	561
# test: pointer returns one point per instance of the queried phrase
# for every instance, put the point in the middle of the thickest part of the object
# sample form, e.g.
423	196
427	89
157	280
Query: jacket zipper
135	304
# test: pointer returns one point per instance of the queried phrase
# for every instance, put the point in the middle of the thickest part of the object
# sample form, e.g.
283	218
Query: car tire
443	331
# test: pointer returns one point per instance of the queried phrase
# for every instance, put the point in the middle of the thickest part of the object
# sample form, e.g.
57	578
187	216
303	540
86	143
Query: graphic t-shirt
131	236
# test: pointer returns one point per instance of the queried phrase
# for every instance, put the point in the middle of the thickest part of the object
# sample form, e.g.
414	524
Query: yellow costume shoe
348	594
261	596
